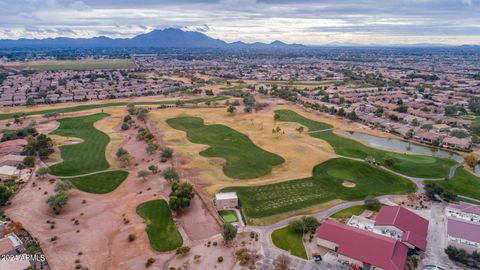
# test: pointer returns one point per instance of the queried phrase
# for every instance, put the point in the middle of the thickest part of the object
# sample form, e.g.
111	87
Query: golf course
87	156
410	165
244	160
79	108
462	183
161	230
326	184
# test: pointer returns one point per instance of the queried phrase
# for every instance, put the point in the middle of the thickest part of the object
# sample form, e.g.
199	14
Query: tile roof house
362	248
463	226
413	226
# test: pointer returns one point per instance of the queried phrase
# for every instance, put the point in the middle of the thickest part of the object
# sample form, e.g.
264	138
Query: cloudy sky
300	21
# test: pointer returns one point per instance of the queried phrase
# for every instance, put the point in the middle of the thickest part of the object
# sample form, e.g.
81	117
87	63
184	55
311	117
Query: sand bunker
348	184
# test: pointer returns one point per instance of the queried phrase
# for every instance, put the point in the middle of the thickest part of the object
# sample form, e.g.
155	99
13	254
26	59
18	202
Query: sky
302	21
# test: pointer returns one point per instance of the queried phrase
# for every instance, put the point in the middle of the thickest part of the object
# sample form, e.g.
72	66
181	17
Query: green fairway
228	216
106	105
162	232
286	239
462	183
87	156
410	165
325	185
99	183
244	160
355	210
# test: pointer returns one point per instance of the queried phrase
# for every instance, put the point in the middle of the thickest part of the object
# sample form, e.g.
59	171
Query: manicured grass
84	64
244	160
325	185
411	165
228	216
462	183
87	156
106	105
286	239
161	230
355	210
99	183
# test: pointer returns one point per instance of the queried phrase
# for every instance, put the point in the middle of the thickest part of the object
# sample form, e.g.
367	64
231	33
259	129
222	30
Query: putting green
87	156
228	216
161	230
244	160
410	165
323	186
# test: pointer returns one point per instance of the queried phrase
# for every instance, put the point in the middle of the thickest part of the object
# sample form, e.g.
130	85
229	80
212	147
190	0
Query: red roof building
362	248
414	228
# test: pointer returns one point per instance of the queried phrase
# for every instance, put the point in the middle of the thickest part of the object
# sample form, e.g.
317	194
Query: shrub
149	262
220	259
182	250
131	237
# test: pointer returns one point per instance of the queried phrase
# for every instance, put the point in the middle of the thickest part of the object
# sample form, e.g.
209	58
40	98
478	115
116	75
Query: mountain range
166	38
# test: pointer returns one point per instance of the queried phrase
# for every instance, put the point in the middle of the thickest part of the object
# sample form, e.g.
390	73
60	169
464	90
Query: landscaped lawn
286	239
87	156
106	105
462	183
325	185
99	183
228	216
355	210
162	232
411	165
244	160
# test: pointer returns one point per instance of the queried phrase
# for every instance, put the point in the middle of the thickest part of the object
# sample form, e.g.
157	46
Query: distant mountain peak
157	38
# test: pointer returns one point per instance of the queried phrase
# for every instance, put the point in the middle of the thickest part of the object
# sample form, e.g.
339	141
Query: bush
131	237
171	174
182	250
149	262
220	259
167	153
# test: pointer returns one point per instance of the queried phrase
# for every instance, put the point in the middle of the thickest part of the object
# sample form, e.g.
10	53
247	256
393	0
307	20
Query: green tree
29	161
58	201
153	168
143	174
297	225
41	172
5	193
231	109
371	201
63	186
170	174
180	196
229	232
151	148
167	153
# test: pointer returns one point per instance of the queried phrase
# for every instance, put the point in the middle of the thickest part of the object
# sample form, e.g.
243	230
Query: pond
405	147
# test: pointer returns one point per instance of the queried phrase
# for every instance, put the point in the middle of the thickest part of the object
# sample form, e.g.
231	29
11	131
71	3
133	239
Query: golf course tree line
244	160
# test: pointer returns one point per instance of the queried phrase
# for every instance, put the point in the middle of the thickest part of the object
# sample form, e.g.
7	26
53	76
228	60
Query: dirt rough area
104	221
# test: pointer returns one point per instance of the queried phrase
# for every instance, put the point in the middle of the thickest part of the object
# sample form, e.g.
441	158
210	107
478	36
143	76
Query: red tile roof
466	207
414	227
463	229
368	247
